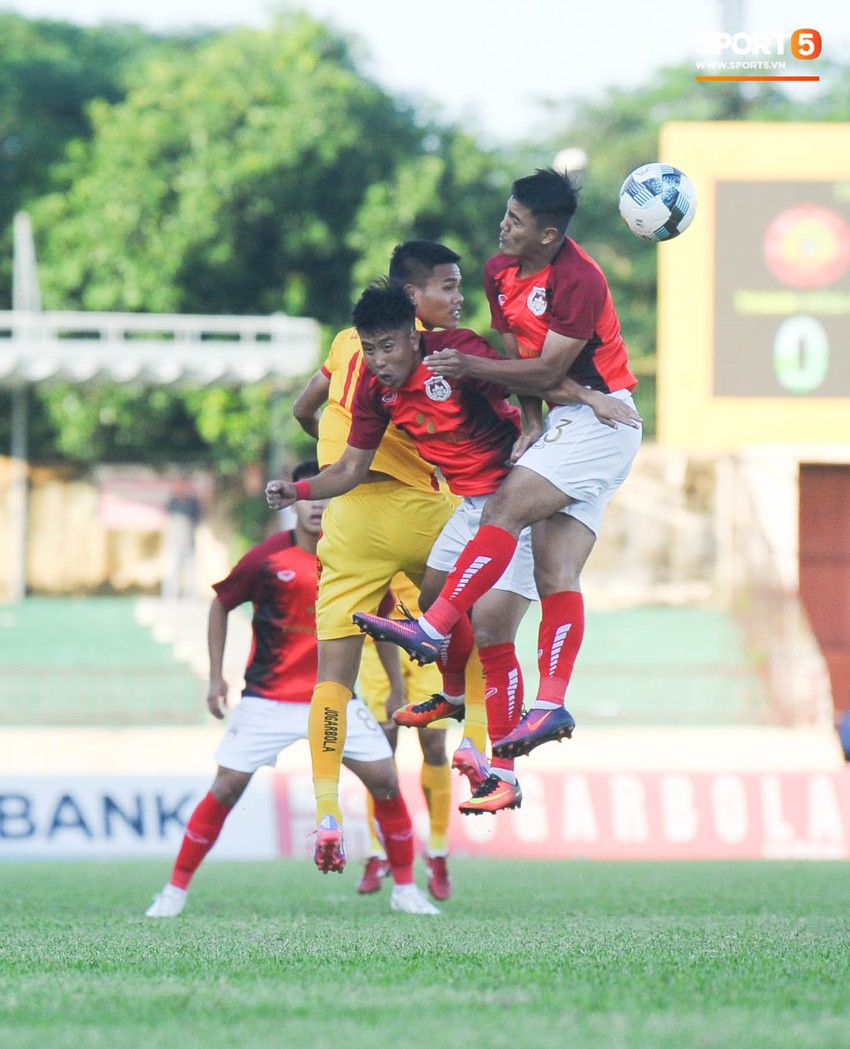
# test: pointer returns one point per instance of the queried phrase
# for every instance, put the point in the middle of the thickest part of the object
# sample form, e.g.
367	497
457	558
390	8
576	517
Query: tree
226	180
246	174
49	72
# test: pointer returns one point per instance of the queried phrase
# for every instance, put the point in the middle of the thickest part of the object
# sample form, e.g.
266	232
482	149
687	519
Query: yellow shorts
369	535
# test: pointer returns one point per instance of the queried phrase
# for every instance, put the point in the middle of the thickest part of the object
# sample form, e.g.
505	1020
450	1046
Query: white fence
153	349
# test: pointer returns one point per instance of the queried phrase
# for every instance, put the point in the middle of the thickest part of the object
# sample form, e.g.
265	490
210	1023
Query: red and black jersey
465	426
570	297
281	581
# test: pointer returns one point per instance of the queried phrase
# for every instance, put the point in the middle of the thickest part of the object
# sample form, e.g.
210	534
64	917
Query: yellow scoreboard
754	298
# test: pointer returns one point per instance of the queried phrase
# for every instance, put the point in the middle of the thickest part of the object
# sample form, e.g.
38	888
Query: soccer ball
658	201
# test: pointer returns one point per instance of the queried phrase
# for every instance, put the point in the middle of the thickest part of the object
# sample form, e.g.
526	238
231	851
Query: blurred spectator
184	514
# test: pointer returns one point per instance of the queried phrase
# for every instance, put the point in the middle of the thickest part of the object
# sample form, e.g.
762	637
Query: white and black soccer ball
658	201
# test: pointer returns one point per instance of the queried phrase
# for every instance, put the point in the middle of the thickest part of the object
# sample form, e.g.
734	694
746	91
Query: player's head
539	211
308	512
430	273
385	319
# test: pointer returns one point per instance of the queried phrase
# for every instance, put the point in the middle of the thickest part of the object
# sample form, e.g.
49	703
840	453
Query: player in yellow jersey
359	560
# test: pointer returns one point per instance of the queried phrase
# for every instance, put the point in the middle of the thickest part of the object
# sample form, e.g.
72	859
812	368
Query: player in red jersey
280	577
551	303
469	430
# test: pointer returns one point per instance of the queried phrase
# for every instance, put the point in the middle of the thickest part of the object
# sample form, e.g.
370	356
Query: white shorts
584	458
518	577
259	729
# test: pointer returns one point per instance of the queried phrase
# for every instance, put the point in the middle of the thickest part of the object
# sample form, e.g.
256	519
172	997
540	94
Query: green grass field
742	955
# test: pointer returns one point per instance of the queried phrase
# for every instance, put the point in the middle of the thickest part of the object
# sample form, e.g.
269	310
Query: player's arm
545	377
307	405
531	407
216	638
340	477
610	411
521	375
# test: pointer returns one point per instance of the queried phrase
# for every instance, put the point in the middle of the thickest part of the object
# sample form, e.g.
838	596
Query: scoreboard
754	298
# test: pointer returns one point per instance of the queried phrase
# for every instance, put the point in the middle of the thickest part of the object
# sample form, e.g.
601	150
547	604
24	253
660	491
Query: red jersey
465	426
281	580
570	297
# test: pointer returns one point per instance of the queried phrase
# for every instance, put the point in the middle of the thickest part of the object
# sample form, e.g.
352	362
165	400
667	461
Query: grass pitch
525	955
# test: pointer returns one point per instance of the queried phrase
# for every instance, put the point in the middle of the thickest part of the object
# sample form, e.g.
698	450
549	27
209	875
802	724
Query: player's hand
217	697
450	363
611	411
525	440
280	494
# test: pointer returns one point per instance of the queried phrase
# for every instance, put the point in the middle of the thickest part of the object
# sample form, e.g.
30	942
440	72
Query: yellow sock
475	725
327	728
437	788
376	846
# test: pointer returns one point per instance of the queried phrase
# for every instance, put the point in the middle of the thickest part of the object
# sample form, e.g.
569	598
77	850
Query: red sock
559	639
503	693
396	829
481	563
452	662
201	834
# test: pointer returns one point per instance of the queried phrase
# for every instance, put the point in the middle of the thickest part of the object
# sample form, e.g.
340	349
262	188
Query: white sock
508	775
455	701
545	704
431	631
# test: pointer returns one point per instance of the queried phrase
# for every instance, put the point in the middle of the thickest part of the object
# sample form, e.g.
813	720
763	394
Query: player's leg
375	689
368	755
590	467
387	525
255	735
345	583
475	725
338	662
414	685
435	778
561	546
496	619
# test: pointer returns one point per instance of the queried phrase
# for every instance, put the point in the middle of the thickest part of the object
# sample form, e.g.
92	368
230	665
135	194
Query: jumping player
552	305
387	525
469	430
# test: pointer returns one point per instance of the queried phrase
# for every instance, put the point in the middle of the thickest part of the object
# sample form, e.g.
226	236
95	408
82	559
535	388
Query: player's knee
229	786
382	783
433	744
556	580
503	511
487	632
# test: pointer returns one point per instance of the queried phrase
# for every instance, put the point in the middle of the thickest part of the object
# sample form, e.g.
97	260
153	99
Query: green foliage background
259	171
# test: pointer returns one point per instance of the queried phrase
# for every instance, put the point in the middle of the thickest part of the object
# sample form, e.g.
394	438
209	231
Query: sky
489	63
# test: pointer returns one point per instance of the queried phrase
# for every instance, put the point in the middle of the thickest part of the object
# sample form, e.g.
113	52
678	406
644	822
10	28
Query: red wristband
303	489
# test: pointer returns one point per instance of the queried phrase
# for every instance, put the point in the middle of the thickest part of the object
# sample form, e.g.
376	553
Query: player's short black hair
303	471
550	196
384	306
413	262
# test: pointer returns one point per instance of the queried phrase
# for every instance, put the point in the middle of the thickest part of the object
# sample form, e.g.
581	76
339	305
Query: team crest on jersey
286	575
536	301
437	389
